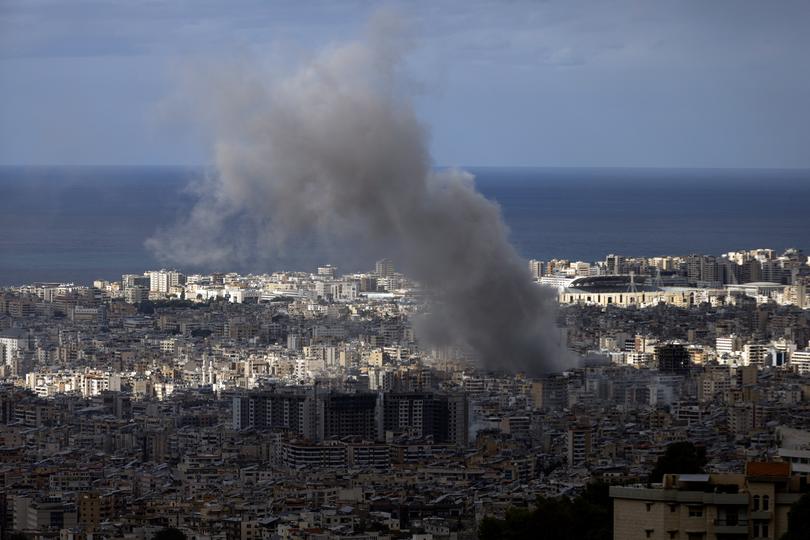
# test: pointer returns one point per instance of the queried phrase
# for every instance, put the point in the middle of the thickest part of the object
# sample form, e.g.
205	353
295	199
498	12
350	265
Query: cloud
544	83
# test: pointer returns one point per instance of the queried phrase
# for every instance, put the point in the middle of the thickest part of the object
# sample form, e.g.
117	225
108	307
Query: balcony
761	514
730	526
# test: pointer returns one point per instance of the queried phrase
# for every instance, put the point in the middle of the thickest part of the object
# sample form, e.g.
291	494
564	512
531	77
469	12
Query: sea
77	224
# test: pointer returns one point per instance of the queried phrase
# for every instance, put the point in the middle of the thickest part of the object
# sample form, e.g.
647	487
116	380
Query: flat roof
775	468
758	284
693	477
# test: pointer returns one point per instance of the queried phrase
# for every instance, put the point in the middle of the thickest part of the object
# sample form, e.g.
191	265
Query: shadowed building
706	506
348	415
444	417
672	358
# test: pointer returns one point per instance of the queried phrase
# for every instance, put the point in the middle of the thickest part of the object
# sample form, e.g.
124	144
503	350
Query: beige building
579	446
681	297
708	506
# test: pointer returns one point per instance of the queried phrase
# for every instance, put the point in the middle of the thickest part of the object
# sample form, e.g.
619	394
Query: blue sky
548	83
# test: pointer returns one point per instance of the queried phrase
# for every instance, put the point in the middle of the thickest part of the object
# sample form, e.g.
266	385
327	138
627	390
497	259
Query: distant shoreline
84	223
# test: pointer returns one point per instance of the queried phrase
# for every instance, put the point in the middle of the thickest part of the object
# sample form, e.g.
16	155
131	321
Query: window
755	504
760	529
766	502
695	511
649	507
673	507
648	532
732	517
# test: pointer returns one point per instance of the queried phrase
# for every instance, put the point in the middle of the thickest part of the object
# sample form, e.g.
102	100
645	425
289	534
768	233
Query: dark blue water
83	223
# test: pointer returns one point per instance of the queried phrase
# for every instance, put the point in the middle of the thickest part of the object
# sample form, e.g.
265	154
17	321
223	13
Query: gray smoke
334	159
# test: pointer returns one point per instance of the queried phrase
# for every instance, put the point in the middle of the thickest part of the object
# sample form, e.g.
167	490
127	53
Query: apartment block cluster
681	280
301	405
162	284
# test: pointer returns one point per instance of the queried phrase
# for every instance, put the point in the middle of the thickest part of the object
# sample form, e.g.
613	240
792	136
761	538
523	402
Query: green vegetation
799	520
679	458
200	332
169	533
148	307
586	517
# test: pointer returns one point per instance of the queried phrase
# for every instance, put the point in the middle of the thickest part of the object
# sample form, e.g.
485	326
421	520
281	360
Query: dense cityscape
404	270
303	405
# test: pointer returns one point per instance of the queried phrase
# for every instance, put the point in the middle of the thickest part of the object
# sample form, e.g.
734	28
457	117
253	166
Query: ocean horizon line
437	166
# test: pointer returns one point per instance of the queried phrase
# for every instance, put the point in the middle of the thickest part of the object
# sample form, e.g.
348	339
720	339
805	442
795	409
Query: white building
557	281
581	268
801	359
794	447
536	268
754	353
729	345
163	280
12	340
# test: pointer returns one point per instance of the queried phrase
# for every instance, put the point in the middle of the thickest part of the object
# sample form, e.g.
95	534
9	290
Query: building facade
754	505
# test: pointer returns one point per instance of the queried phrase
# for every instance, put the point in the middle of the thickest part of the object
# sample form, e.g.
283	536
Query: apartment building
709	506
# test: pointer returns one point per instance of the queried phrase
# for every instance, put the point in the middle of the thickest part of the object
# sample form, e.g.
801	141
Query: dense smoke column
334	156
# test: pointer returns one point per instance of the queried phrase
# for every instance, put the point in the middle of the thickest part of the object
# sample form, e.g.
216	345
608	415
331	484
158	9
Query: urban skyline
324	327
323	376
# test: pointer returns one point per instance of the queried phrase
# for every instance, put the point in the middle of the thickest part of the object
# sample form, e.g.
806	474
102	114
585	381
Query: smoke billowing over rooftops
333	157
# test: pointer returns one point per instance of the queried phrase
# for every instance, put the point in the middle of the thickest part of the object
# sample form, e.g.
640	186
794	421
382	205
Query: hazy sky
704	83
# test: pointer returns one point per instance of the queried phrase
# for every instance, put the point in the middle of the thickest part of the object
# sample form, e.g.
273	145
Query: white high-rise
163	280
536	268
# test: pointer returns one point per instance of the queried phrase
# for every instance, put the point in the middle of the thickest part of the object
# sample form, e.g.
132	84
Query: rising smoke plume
334	156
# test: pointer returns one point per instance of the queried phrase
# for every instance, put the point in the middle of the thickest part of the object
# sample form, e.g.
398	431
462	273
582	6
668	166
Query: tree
798	519
200	332
146	307
594	512
169	533
679	458
516	525
586	517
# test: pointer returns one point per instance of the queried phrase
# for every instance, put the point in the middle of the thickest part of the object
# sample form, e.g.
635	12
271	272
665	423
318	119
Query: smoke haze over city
333	158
